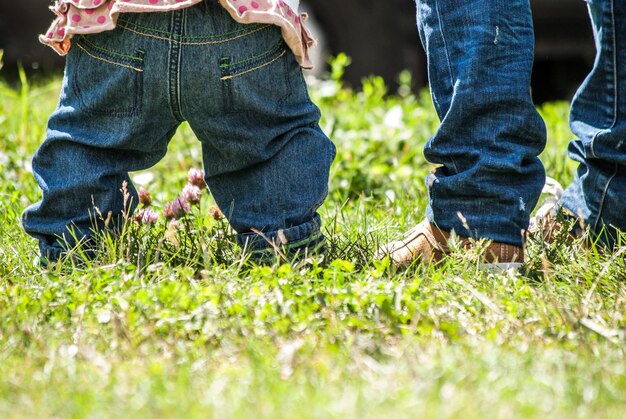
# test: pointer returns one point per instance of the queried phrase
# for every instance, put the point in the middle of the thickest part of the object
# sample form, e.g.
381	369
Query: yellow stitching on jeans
254	68
193	43
95	47
108	61
242	29
260	56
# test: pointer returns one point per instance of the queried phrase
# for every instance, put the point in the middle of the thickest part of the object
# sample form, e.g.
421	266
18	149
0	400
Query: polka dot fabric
93	16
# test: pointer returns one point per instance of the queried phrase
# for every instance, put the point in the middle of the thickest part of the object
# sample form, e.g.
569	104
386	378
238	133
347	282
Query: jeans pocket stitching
95	57
191	40
133	64
231	70
122	60
249	70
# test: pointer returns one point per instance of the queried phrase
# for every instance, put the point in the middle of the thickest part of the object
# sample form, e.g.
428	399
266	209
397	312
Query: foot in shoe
428	244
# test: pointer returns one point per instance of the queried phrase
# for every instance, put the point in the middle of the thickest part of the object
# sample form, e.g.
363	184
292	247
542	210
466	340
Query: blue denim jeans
480	56
598	118
126	91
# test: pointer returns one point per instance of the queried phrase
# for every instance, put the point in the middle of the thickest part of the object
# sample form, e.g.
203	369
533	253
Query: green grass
177	326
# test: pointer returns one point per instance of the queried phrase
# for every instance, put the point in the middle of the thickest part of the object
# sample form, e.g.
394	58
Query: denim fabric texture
480	56
598	118
126	91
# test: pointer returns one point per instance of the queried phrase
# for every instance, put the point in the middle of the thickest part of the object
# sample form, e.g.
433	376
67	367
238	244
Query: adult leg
480	56
598	118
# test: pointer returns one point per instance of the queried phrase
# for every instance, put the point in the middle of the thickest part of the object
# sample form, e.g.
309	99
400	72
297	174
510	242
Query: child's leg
278	196
109	121
266	160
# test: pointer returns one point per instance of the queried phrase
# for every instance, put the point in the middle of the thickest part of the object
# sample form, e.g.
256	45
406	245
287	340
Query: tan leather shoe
428	244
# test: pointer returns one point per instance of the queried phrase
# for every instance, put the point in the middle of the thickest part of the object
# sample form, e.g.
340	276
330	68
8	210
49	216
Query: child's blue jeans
126	91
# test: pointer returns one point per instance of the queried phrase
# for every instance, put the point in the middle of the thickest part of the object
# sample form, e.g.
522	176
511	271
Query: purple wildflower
176	209
180	207
192	194
196	178
146	216
167	211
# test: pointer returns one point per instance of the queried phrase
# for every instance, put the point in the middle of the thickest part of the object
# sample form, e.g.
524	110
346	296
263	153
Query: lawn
176	324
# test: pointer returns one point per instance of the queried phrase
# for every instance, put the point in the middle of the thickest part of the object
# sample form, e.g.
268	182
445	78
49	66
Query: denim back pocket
257	81
106	82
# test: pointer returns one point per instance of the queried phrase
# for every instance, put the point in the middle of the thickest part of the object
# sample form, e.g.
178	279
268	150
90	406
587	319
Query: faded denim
480	56
126	91
598	118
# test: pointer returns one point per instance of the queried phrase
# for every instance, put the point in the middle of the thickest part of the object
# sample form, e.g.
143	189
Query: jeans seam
174	64
182	42
139	70
614	51
256	57
603	198
253	27
107	52
250	70
180	64
445	45
615	82
591	143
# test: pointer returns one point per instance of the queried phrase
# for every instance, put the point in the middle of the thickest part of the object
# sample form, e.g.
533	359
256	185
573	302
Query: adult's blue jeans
480	56
598	118
126	91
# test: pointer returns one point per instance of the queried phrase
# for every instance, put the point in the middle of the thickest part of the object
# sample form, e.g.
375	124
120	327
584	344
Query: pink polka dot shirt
93	16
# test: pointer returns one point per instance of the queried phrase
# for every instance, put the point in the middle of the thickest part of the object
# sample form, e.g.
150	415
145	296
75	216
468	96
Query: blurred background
379	35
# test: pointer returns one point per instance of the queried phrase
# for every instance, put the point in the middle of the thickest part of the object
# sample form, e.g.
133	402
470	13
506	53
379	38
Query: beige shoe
428	244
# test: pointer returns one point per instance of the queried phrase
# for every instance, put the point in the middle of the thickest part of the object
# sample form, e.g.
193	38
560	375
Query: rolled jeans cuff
49	253
306	236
